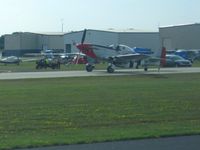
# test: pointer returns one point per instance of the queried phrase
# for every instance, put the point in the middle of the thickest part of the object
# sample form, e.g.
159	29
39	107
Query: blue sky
48	15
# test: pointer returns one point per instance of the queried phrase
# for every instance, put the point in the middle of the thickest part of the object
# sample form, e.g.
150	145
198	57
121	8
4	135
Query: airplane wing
133	57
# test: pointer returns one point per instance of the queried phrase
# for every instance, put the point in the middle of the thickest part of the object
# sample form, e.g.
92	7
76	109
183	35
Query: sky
74	15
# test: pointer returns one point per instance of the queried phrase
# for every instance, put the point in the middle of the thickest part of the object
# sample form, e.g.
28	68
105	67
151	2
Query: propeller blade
83	37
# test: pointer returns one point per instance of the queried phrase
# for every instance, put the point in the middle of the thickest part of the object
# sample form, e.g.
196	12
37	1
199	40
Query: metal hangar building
180	36
131	38
20	43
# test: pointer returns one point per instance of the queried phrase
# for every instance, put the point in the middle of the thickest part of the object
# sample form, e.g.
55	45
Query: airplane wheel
89	68
110	69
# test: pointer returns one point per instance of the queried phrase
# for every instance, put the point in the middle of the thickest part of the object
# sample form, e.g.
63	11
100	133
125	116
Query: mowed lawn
41	112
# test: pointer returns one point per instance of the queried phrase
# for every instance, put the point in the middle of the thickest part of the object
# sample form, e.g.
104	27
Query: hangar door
68	48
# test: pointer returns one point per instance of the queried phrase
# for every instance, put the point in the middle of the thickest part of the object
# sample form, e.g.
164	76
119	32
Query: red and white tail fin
163	57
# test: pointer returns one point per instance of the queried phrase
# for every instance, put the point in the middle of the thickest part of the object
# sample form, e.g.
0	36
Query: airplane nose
79	46
86	49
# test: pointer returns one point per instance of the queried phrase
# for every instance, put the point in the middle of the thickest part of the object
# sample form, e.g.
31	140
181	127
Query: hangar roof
39	33
180	25
129	30
49	33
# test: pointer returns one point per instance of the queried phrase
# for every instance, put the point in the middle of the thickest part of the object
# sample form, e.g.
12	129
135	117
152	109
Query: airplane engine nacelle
123	64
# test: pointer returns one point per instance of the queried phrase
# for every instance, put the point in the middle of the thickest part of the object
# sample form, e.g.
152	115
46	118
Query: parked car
176	61
187	54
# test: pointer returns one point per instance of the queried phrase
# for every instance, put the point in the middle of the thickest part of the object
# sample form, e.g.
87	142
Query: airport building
130	37
171	37
20	43
180	37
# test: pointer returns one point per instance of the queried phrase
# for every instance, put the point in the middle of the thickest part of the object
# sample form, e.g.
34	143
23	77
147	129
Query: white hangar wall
12	41
53	42
141	39
92	36
20	43
132	39
19	40
180	37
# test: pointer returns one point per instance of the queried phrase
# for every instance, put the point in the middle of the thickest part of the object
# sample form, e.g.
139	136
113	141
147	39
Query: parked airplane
10	60
15	60
116	55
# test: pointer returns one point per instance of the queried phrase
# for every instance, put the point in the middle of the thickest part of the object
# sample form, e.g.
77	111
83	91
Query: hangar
20	43
180	37
130	37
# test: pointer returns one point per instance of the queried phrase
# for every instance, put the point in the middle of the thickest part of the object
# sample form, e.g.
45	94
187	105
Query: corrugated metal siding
23	42
12	42
28	41
93	37
182	37
145	40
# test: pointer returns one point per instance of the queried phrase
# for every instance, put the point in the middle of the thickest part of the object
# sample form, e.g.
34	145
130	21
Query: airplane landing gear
89	68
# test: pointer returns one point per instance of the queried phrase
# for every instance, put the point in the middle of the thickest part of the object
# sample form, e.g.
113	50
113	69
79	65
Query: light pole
62	24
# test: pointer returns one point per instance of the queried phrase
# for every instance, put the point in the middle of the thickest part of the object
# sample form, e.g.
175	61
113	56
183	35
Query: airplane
117	55
15	60
10	60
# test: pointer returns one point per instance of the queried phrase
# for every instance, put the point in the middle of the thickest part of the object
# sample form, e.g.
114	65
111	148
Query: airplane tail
163	57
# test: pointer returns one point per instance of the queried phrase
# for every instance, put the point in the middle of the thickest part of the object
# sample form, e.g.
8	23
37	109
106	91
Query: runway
170	143
57	74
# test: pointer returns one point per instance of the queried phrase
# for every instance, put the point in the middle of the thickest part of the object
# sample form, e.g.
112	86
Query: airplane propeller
83	37
82	41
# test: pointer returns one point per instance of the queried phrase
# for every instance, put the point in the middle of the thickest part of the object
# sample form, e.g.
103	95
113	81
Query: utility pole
62	24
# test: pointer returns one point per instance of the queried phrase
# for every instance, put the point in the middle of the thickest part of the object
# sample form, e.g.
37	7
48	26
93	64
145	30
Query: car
187	54
176	61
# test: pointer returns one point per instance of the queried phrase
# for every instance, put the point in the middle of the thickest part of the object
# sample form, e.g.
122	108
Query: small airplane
117	55
15	60
10	60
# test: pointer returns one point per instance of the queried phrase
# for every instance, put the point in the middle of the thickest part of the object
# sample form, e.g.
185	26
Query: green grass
196	63
30	67
41	112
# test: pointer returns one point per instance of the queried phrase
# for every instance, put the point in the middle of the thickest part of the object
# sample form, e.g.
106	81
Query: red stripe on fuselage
87	50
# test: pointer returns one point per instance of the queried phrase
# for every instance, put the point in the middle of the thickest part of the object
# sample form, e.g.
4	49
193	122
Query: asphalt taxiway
57	74
170	143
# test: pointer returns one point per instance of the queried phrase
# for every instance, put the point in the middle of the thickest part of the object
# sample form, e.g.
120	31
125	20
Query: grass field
30	67
41	112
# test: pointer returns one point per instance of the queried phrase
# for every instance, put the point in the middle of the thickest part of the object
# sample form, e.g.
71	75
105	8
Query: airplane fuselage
104	52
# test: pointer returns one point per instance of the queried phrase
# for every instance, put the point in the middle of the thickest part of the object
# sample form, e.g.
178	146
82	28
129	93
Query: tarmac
56	74
170	143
